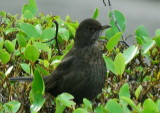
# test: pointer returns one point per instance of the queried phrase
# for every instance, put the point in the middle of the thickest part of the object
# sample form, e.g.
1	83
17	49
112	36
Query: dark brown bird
82	71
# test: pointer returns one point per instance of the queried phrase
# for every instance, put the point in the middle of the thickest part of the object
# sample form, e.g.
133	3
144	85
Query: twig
55	38
115	20
104	3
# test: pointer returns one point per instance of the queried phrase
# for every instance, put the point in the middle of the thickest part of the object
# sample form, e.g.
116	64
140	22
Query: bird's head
88	32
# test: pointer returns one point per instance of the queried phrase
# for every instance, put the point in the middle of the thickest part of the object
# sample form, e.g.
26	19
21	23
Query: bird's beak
105	27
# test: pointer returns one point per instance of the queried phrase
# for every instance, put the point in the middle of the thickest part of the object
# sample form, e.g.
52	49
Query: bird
82	71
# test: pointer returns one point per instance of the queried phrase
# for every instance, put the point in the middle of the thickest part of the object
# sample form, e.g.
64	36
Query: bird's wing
62	69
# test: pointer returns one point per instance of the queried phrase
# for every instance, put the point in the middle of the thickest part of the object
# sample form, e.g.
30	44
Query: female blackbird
82	71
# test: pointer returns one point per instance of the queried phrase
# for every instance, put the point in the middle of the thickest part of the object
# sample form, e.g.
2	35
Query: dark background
137	12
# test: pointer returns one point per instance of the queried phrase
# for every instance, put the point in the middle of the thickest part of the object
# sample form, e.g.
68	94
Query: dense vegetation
133	78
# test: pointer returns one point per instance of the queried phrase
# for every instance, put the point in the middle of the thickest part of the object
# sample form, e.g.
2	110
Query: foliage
133	77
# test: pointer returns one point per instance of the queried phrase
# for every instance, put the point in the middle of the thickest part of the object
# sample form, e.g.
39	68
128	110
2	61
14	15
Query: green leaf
9	46
63	33
37	91
87	104
113	41
10	30
39	28
119	64
124	91
42	70
59	107
29	30
28	14
48	33
138	91
109	33
4	56
157	39
158	32
21	40
149	106
96	13
121	21
109	64
131	103
143	34
113	107
30	8
12	107
130	53
1	42
71	28
147	46
100	109
41	46
26	68
32	53
3	13
158	104
80	110
66	99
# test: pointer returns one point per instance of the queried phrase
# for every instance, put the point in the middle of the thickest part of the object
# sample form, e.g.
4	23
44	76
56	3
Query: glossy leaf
121	21
87	104
41	46
113	41
32	53
42	70
26	68
158	32
12	107
4	56
10	30
29	30
37	91
147	46
158	104
109	64
30	8
142	33
113	107
100	109
130	53
63	33
138	91
124	91
149	106
71	29
157	40
96	13
131	103
119	64
9	46
66	99
21	40
1	42
80	110
48	34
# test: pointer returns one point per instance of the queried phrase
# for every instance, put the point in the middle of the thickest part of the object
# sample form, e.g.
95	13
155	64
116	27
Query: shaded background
137	12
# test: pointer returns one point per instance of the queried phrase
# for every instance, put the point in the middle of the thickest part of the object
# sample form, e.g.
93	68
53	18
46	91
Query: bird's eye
91	29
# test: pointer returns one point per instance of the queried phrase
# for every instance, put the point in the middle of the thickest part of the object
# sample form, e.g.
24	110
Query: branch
55	38
115	20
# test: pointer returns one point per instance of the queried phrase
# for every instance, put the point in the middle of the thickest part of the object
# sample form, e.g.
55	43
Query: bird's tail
27	79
